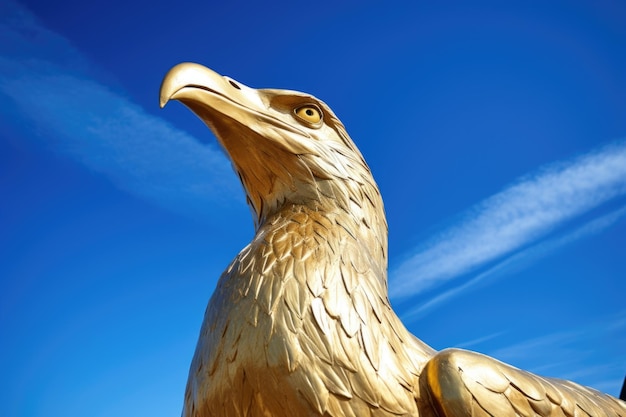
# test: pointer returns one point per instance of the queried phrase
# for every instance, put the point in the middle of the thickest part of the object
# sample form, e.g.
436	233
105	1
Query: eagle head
287	147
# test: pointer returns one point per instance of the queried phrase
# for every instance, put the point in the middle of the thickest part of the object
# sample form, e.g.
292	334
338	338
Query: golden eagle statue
300	323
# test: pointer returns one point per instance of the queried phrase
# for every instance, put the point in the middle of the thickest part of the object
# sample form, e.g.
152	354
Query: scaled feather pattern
300	323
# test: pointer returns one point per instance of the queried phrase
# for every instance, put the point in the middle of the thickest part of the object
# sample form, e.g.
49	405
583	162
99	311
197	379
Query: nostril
234	84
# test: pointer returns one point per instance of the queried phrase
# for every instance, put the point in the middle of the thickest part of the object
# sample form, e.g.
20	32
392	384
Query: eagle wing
462	383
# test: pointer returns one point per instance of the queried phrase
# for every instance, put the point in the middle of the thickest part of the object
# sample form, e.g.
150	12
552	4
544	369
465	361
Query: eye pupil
309	114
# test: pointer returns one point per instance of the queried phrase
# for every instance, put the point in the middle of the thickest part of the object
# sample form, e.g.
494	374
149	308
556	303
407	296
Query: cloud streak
575	354
521	214
52	93
518	260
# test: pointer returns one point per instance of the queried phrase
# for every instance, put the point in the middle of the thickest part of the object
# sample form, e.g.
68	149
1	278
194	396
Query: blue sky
497	134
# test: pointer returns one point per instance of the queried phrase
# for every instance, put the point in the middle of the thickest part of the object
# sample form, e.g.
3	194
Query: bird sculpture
300	323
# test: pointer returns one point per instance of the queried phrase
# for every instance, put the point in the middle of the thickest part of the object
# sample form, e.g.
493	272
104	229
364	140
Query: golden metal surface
300	323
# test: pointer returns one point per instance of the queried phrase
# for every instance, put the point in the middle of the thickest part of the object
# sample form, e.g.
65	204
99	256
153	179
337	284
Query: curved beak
228	107
183	81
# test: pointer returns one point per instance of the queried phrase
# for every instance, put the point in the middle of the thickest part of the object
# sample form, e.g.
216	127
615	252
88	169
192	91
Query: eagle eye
309	114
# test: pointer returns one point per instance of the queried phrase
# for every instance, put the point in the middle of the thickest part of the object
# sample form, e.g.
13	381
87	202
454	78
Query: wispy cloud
518	261
54	95
529	349
514	218
575	354
478	341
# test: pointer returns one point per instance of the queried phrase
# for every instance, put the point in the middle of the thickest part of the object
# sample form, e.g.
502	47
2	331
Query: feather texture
485	386
300	323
